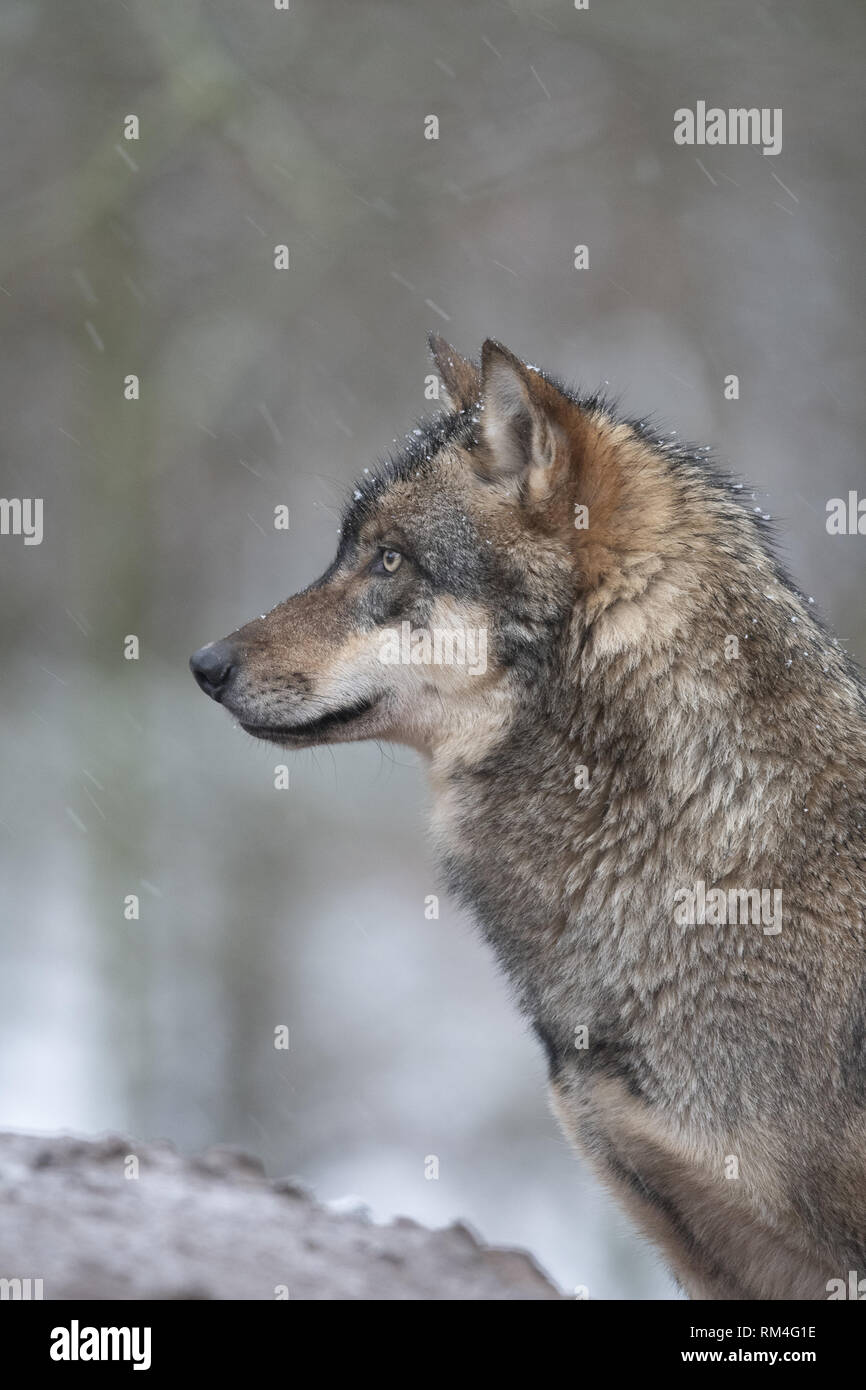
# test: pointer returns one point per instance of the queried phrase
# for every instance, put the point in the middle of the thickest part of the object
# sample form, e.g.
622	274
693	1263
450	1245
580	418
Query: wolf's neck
644	774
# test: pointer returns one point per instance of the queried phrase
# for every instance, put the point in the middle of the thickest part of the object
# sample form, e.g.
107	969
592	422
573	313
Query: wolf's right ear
460	378
520	421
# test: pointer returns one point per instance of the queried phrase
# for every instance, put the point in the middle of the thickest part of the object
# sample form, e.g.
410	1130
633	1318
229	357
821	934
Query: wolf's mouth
313	728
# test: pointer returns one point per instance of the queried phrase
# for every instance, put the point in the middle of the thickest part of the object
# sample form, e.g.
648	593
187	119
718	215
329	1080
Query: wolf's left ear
519	419
460	378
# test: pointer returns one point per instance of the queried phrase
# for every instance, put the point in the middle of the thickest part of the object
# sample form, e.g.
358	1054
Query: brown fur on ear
586	476
460	377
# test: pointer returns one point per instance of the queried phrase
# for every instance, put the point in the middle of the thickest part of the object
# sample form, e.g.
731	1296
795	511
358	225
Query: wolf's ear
461	378
518	419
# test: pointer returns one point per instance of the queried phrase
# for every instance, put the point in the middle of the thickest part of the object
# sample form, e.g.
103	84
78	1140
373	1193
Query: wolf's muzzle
213	667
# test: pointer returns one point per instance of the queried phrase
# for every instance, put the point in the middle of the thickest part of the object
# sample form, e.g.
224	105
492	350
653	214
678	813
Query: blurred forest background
305	127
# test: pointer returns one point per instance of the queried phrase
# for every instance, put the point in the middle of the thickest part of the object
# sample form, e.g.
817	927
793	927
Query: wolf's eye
391	560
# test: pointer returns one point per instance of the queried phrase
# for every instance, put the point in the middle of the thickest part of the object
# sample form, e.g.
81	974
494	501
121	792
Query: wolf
659	709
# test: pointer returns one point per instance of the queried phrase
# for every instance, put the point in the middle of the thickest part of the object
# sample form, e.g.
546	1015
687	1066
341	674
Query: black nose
212	667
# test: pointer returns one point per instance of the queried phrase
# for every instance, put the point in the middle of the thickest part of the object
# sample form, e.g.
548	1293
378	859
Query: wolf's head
522	530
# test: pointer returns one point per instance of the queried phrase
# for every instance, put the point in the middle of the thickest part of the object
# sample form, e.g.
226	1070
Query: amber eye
391	560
